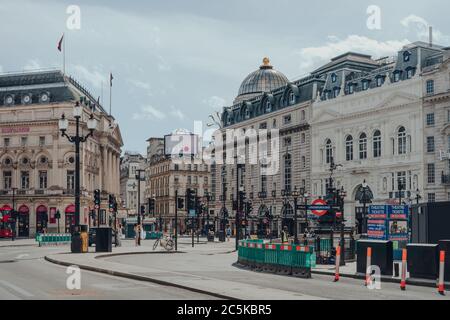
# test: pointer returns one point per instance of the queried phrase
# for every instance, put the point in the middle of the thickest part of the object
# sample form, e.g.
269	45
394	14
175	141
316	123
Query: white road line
17	289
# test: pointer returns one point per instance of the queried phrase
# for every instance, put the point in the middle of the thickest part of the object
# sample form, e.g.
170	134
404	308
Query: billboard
180	145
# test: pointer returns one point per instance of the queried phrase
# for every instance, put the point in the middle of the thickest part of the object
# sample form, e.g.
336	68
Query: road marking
17	289
21	256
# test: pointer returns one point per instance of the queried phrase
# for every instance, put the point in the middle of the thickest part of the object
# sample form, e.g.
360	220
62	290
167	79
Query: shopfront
23	221
41	219
69	218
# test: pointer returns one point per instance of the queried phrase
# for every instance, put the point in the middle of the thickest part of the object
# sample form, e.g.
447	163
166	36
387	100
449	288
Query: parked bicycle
165	241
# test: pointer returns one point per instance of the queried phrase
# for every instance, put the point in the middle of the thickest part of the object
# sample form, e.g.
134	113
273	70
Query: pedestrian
119	236
285	235
228	233
136	234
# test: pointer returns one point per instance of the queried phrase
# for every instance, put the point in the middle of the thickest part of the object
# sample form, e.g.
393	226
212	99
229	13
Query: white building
130	163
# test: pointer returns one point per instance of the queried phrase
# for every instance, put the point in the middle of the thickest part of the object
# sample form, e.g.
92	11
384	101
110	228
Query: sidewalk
176	274
18	242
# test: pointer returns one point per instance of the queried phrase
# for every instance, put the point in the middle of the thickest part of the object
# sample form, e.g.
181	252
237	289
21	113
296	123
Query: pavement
210	269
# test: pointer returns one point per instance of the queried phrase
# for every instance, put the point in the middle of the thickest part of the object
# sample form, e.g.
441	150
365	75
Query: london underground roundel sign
319	202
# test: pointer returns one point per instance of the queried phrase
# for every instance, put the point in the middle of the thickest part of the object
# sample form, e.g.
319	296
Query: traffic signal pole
176	220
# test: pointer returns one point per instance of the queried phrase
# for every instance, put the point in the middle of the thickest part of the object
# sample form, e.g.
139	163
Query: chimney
431	36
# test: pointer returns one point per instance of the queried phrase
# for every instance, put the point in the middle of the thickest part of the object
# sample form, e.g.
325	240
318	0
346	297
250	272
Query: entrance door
41	219
24	222
70	221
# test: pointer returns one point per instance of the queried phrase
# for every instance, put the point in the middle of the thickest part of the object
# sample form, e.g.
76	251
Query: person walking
228	233
136	234
119	236
285	235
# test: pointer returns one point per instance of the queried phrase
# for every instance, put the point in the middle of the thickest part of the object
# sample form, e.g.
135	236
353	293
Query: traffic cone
338	262
403	281
441	286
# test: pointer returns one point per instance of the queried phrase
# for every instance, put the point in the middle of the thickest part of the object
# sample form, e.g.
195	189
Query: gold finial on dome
266	61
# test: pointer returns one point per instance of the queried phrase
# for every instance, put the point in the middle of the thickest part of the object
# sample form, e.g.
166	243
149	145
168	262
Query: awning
6	208
41	209
70	209
24	209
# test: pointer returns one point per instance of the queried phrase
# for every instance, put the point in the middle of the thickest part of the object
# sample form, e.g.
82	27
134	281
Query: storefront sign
16	130
398	212
378	212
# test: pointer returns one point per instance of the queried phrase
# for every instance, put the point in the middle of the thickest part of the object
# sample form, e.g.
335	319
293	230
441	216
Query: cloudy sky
177	61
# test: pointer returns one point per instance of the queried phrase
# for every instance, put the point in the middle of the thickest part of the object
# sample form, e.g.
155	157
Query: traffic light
151	205
180	203
198	204
190	195
142	210
249	208
97	199
111	202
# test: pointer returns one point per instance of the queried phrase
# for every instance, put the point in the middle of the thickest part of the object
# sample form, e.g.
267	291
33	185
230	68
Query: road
24	274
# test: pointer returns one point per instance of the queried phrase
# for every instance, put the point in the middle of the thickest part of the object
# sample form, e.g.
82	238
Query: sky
177	61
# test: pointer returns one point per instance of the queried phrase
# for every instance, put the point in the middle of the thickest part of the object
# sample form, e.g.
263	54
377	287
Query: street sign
192	213
319	207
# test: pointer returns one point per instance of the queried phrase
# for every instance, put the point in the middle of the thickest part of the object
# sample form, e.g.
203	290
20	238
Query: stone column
104	165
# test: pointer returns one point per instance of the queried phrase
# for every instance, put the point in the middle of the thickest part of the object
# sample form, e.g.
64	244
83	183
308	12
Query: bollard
403	281
441	287
338	262
369	263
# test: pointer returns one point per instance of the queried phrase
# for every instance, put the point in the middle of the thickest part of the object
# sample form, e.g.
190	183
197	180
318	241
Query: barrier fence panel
53	238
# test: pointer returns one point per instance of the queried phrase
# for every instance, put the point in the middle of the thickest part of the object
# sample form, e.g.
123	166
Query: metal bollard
403	281
338	262
441	286
369	263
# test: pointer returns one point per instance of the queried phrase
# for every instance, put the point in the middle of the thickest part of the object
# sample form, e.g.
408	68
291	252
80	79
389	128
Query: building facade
279	111
129	164
37	164
369	120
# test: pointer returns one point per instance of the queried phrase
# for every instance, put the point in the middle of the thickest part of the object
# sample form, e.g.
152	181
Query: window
263	179
401	140
6	142
409	73
177	167
25	180
401	180
397	76
430	87
349	148
350	88
292	98
247	113
406	56
189	180
363	146
23	141
303	115
263	125
303	138
431	197
377	144
274	123
287	119
430	119
336	92
176	180
333	78
287	172
195	180
328	151
41	141
268	106
303	162
431	173
7	180
430	144
379	81
42	179
70	180
287	142
365	85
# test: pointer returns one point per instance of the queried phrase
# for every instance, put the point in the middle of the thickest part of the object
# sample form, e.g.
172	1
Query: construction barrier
276	258
53	238
368	265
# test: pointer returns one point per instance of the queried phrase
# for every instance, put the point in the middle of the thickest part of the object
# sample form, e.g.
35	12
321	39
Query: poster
376	229
52	216
398	230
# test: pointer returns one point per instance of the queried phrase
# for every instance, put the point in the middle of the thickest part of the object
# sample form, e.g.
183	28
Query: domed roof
265	79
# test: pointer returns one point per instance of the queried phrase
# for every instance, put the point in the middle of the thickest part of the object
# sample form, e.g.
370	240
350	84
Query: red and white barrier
301	249
271	247
259	245
441	286
286	248
368	264
404	261
338	262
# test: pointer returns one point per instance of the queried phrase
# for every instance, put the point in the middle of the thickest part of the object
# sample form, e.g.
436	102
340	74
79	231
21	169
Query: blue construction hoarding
388	222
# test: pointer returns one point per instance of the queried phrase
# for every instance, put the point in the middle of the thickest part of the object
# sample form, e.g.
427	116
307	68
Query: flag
110	79
60	43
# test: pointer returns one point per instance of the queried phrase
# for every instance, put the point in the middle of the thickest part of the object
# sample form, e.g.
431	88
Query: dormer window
379	81
247	113
409	73
268	106
333	78
291	98
406	56
397	76
365	85
351	88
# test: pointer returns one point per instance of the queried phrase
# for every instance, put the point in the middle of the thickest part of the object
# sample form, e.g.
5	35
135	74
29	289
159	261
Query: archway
263	226
70	218
23	221
41	219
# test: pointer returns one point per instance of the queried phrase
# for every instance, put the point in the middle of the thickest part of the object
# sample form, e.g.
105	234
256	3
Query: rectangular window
263	125
287	142
25	180
41	141
430	144
430	87
431	173
189	180
401	181
23	141
7	180
448	115
287	119
430	119
431	197
377	146
6	142
70	180
42	179
287	172
195	180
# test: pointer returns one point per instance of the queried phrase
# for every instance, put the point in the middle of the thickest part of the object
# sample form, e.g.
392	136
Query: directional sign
319	207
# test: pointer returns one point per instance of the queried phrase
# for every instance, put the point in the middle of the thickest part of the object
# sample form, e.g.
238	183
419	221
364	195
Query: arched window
328	151
247	113
291	98
363	146
401	136
303	115
268	106
349	148
377	144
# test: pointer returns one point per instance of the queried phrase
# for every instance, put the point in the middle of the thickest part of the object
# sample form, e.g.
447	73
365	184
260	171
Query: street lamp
341	196
295	194
139	219
77	139
418	196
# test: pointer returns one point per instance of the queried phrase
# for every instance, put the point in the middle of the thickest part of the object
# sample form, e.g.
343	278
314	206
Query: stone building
267	100
369	119
37	164
130	162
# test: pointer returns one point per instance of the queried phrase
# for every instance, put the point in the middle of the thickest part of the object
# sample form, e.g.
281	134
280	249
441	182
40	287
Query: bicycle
166	242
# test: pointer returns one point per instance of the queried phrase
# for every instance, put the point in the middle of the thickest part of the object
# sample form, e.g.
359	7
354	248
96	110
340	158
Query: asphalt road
24	274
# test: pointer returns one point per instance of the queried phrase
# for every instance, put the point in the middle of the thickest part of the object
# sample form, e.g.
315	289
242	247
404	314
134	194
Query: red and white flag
60	43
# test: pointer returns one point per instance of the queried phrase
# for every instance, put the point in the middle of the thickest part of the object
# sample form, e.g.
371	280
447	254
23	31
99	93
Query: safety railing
53	238
277	258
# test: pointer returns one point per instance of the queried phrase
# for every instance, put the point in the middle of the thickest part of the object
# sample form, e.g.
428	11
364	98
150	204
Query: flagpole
64	53
110	94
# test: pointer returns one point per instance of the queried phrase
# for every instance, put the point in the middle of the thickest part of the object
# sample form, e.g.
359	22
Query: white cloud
313	57
215	102
32	64
1	69
94	77
177	113
421	27
141	85
148	113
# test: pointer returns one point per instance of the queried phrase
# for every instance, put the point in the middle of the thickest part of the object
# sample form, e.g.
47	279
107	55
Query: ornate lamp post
295	194
77	139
